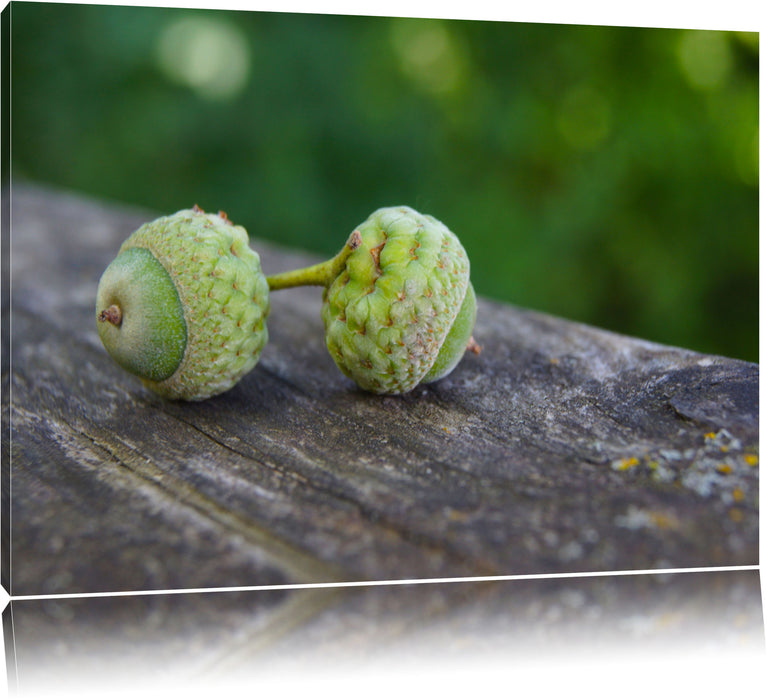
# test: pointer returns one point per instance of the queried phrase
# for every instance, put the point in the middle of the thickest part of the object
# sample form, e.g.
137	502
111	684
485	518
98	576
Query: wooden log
559	448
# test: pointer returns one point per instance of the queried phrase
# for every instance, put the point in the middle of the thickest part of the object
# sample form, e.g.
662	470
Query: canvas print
295	299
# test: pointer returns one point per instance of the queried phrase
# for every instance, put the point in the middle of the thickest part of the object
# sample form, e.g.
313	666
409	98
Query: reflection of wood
558	448
261	636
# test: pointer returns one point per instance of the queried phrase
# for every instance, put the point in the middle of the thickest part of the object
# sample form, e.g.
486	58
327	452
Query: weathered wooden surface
559	448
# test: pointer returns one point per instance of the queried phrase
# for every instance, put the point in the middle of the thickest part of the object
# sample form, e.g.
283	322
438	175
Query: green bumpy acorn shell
402	310
184	304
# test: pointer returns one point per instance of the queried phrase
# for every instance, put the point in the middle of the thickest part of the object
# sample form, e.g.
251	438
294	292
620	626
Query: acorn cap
389	312
183	305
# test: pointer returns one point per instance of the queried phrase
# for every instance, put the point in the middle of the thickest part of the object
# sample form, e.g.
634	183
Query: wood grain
559	448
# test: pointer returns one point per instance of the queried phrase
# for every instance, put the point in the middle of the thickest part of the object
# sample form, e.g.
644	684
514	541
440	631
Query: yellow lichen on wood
625	463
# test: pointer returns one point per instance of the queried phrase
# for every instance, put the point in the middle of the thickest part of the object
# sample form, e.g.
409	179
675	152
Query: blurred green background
607	175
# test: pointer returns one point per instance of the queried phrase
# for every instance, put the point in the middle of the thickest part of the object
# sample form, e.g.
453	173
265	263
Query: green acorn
398	306
183	306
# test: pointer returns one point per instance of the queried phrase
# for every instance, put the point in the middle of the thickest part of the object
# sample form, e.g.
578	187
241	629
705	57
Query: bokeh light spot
705	58
749	39
206	55
428	55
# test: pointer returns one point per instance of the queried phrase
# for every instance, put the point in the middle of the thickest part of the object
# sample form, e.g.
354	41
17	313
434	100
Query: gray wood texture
559	448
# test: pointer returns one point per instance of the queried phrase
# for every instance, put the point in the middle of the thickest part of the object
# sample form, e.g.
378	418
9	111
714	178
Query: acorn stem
473	346
112	315
321	274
